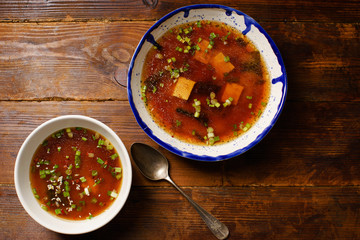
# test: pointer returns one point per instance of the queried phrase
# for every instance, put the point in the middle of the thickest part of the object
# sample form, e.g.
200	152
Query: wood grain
66	61
249	212
86	61
316	147
302	181
111	10
18	119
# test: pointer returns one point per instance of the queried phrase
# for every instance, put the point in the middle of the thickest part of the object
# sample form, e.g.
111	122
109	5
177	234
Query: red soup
75	173
206	83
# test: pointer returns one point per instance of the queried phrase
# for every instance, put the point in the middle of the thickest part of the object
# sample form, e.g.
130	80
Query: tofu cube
183	88
221	67
233	90
202	55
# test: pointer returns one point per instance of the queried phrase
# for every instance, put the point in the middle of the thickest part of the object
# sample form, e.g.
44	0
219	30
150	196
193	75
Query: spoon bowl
154	165
151	163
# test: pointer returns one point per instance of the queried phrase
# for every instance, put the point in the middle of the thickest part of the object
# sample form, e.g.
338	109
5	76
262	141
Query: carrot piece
232	90
183	88
201	55
221	67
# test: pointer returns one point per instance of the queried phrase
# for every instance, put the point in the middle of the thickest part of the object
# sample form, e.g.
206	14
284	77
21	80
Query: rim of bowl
283	78
48	220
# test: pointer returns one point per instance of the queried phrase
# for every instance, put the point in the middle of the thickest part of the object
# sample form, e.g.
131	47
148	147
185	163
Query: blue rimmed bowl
261	40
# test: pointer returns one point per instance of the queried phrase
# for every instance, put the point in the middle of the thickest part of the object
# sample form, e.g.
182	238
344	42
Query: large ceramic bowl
22	178
262	41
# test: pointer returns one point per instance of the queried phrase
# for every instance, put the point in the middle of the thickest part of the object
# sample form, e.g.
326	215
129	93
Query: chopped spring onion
114	156
83	179
100	161
247	126
94	173
77	159
197	106
113	194
57	211
35	193
228	102
101	142
45	143
45	207
118	176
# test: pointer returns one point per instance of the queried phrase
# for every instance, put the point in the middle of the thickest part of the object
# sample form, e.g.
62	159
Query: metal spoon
153	165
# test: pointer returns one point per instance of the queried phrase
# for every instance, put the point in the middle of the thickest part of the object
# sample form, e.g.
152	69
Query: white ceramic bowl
262	41
22	178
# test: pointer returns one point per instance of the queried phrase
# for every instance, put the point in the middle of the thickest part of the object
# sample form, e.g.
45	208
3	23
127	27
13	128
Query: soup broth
205	83
75	173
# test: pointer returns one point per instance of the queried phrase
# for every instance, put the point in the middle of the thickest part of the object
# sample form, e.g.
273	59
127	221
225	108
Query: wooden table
301	182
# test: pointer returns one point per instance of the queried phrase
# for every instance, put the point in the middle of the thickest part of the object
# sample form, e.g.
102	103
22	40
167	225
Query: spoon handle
217	228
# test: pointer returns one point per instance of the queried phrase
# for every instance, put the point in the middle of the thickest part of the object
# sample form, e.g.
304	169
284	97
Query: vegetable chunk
221	64
202	55
232	90
183	88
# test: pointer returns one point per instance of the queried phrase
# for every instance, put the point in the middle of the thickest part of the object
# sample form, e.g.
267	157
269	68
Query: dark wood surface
302	181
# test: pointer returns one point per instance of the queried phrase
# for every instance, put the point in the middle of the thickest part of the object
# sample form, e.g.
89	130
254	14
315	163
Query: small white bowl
22	178
262	41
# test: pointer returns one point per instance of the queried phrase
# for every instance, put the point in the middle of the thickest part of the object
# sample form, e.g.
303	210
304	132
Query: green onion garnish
100	161
101	142
212	36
